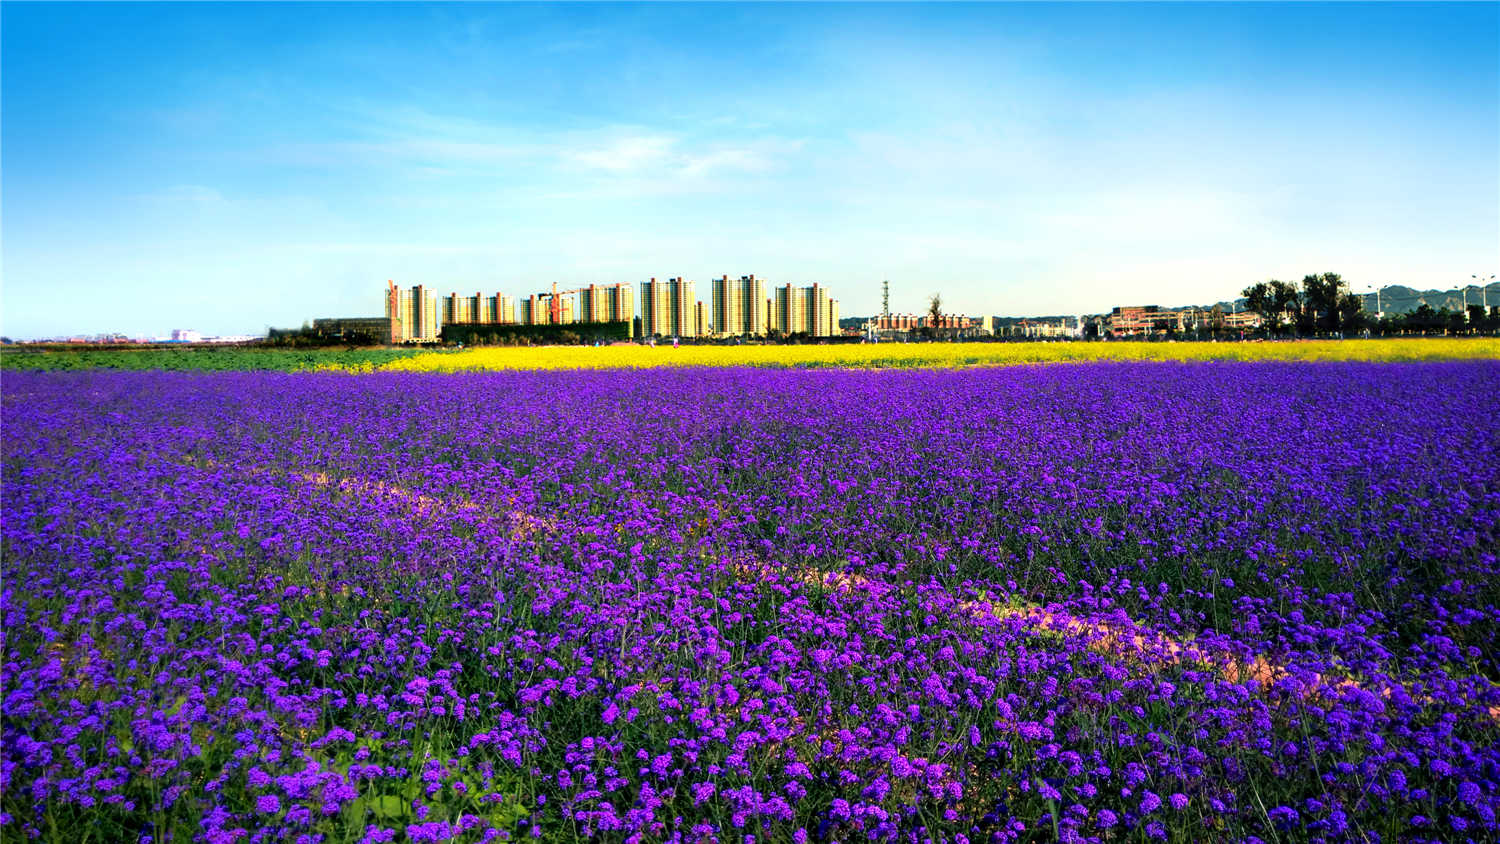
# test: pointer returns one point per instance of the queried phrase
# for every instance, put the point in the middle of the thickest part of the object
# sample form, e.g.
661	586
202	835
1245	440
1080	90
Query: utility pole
1484	288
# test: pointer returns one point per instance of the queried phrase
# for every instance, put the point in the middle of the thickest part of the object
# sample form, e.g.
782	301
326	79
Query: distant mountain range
1400	299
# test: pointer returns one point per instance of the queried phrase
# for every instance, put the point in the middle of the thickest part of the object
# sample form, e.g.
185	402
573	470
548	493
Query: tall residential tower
668	309
416	308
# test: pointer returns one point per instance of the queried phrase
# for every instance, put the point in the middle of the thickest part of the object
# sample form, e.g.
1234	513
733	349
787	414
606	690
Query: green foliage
1274	301
322	336
1327	304
571	334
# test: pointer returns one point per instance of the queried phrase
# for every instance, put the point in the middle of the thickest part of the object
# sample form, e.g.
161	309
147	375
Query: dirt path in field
1129	641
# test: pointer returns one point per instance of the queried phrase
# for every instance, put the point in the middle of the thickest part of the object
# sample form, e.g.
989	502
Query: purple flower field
1100	602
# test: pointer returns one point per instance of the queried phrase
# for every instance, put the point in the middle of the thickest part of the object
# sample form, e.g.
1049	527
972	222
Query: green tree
1423	319
1351	313
1477	321
1457	322
934	313
1273	300
1326	302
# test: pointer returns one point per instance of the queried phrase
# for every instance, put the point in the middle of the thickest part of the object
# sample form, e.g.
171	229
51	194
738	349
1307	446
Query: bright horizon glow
227	168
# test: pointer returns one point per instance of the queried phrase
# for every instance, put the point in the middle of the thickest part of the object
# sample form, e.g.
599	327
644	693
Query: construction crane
555	306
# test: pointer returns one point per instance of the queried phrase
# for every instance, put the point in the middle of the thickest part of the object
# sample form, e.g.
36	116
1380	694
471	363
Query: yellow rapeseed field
941	355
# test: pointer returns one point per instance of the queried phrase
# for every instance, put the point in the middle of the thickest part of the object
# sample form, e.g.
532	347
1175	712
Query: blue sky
230	167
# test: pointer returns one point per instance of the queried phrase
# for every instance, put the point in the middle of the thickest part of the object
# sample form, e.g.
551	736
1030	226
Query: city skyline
261	165
504	308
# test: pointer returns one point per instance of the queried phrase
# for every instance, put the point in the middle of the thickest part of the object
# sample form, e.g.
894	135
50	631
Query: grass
194	358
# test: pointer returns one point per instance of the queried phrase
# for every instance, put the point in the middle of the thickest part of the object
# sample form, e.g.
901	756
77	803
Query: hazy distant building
1129	320
946	325
1242	320
1148	319
415	309
1139	319
1048	327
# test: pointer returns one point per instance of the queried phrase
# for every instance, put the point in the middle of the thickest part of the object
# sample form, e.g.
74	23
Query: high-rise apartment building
668	308
729	308
753	290
803	310
606	303
621	306
703	320
787	315
500	309
590	304
655	309
684	307
536	309
416	309
458	308
737	306
822	312
480	309
393	311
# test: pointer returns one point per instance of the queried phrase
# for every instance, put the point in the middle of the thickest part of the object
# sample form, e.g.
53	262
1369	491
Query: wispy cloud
612	160
188	193
628	154
639	152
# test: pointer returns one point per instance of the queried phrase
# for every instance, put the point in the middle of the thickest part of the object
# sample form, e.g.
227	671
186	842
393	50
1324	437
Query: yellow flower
930	355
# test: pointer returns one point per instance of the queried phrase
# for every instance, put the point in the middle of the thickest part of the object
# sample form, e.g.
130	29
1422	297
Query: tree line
1324	306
